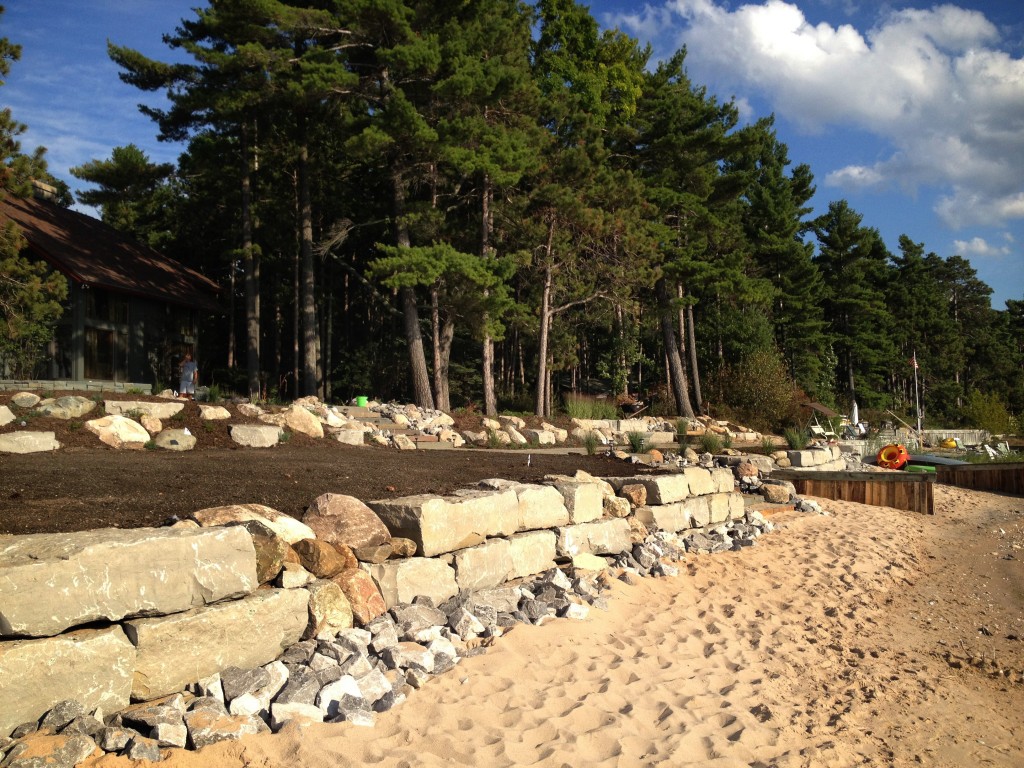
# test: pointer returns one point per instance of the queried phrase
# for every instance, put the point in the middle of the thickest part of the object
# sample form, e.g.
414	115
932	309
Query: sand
869	636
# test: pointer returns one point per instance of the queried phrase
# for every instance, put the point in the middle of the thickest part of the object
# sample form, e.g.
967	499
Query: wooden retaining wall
910	491
995	478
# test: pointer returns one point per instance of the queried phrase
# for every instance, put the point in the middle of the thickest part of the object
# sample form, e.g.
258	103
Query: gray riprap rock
410	619
114	738
159	410
207	727
483	566
28	442
175	440
54	581
400	581
174	651
540	506
439	525
61	713
142	748
408	655
236	681
285	526
333	694
93	667
384	633
603	537
341	519
283	712
531	552
301	688
256	435
49	750
67	407
119	432
6	416
26	399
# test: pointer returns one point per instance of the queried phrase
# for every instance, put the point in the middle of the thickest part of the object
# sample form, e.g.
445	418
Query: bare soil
88	485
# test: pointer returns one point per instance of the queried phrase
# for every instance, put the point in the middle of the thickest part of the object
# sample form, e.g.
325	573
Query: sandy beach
869	636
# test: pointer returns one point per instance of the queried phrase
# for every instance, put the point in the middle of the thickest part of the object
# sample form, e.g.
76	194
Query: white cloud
978	246
932	83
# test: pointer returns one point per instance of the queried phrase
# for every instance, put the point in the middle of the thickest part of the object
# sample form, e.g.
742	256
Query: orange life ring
892	456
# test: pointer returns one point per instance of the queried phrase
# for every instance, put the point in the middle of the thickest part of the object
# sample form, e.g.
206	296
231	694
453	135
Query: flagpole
917	397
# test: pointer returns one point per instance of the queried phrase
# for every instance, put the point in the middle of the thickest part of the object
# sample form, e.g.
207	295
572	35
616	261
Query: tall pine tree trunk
443	333
252	273
410	311
545	326
486	224
668	334
310	331
693	358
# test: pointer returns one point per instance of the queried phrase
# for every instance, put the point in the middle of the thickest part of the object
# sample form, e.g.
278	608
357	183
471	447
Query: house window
105	307
105	354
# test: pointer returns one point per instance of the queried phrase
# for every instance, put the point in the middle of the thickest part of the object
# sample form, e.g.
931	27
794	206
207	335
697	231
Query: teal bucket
361	401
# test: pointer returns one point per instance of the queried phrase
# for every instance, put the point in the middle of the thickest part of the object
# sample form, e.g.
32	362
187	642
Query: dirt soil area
87	485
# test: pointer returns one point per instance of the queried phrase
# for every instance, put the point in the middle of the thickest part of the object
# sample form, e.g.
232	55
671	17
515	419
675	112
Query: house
131	311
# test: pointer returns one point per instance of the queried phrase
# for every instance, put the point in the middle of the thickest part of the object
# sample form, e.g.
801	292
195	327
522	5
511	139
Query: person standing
189	377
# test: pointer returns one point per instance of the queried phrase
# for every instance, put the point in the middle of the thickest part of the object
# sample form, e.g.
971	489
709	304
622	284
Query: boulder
175	440
531	552
540	506
349	436
362	593
483	566
271	550
119	432
775	494
341	519
53	581
440	525
26	399
604	537
178	650
151	424
45	748
699	481
298	419
93	667
256	435
583	500
207	726
67	407
329	610
320	558
540	437
138	407
6	416
722	480
28	442
400	581
636	493
213	412
669	517
285	526
250	411
616	507
666	489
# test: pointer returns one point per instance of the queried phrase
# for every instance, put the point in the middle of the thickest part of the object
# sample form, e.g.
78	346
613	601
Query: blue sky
912	112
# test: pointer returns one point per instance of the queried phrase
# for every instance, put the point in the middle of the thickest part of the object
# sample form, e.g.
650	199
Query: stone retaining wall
64	385
111	617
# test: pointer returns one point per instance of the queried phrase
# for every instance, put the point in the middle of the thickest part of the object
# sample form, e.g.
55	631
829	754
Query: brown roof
92	253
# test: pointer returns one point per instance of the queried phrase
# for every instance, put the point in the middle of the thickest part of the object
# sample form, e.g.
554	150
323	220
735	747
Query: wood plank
913	492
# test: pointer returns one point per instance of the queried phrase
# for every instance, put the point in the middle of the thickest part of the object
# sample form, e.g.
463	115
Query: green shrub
150	445
284	437
709	442
767	445
213	393
760	393
988	412
797	439
637	441
586	407
590	443
492	439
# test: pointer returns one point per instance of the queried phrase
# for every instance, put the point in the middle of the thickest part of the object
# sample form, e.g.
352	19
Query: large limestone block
440	525
285	526
718	506
175	651
659	437
531	552
723	480
158	410
28	442
604	537
94	667
341	519
699	480
67	407
483	566
666	489
700	511
255	435
213	413
540	506
119	432
667	517
583	500
400	581
53	581
6	416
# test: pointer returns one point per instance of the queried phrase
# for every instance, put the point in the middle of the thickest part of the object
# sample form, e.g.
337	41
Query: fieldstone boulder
6	416
67	407
256	435
53	581
159	410
271	549
119	432
28	442
401	581
635	493
298	419
341	519
329	610
320	558
151	424
349	436
175	440
25	399
285	526
439	525
93	667
179	650
616	506
775	494
363	595
213	412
